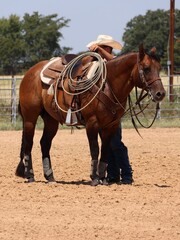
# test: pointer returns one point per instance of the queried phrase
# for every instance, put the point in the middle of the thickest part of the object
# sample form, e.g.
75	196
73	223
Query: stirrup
71	118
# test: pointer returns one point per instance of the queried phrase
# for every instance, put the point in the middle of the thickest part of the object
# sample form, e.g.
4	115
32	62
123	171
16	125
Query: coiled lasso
83	85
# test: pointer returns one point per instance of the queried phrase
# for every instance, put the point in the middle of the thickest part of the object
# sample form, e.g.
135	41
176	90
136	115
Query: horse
102	114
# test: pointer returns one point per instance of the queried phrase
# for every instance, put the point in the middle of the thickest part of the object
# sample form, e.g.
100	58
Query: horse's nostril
160	95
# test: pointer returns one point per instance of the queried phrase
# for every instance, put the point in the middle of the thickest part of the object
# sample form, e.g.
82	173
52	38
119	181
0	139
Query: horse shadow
79	182
62	182
89	183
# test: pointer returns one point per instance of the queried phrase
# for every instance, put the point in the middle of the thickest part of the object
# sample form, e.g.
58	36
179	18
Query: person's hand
93	47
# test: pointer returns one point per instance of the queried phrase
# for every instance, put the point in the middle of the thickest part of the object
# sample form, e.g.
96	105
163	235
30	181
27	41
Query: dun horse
104	112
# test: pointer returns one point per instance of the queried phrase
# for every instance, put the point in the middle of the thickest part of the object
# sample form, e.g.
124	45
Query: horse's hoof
30	180
104	182
95	182
52	180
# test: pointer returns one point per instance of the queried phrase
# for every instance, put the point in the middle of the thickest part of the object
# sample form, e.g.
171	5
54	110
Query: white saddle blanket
46	79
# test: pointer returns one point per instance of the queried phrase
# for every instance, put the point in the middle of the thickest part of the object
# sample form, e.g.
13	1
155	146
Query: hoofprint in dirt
73	209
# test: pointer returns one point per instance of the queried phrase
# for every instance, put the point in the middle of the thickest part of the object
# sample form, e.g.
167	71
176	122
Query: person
119	169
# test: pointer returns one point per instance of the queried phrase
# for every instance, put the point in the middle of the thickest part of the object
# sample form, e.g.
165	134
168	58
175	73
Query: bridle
142	75
141	96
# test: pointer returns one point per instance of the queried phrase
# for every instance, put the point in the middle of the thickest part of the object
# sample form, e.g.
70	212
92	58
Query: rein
134	114
139	98
80	85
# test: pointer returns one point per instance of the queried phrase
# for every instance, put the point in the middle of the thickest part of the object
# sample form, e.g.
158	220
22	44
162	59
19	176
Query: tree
177	42
177	55
42	35
151	29
30	40
12	44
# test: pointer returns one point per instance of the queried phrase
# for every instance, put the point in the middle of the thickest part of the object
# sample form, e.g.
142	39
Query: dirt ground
72	209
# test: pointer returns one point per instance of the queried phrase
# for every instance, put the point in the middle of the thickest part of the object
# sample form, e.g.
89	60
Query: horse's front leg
102	167
92	134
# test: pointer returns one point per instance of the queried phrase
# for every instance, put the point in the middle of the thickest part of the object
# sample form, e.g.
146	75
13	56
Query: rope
81	86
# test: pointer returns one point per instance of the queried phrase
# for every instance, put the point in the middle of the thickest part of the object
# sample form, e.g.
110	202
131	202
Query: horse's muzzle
157	90
158	96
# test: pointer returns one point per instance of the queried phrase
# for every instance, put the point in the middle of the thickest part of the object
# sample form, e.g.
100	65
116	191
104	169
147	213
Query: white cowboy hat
107	41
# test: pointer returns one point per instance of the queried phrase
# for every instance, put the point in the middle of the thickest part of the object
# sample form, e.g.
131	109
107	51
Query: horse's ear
141	52
153	50
154	55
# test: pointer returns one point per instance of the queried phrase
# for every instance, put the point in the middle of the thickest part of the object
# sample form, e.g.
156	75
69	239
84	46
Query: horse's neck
119	73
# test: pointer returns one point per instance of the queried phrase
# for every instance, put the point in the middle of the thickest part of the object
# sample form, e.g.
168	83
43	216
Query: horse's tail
20	168
19	109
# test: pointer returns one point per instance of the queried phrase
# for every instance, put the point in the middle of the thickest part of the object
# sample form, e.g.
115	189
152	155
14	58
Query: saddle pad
45	79
93	69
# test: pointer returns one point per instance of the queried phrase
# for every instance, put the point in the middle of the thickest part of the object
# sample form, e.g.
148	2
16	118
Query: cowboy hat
107	41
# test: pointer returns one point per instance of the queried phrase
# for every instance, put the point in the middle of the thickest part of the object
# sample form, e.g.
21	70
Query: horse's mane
122	56
149	53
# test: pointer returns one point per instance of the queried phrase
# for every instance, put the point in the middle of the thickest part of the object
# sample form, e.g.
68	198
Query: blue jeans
118	160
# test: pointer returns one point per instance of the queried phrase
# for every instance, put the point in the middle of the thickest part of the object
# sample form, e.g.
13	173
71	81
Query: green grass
159	123
8	126
126	123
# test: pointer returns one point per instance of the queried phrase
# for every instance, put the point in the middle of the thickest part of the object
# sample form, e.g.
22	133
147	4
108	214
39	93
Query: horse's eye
147	70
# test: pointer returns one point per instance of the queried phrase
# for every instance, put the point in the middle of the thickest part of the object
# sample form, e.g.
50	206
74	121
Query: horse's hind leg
25	168
50	130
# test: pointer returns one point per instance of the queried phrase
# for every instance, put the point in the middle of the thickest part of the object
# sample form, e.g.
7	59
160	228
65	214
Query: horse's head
148	71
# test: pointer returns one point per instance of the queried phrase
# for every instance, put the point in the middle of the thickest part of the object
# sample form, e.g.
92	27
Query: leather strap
108	102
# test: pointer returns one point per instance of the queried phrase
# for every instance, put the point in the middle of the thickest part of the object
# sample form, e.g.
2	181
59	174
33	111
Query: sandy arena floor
71	209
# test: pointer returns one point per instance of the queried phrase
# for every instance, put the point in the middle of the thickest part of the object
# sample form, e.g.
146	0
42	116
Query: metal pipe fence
9	99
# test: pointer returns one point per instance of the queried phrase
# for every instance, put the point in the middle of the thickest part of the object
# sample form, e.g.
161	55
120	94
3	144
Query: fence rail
9	98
